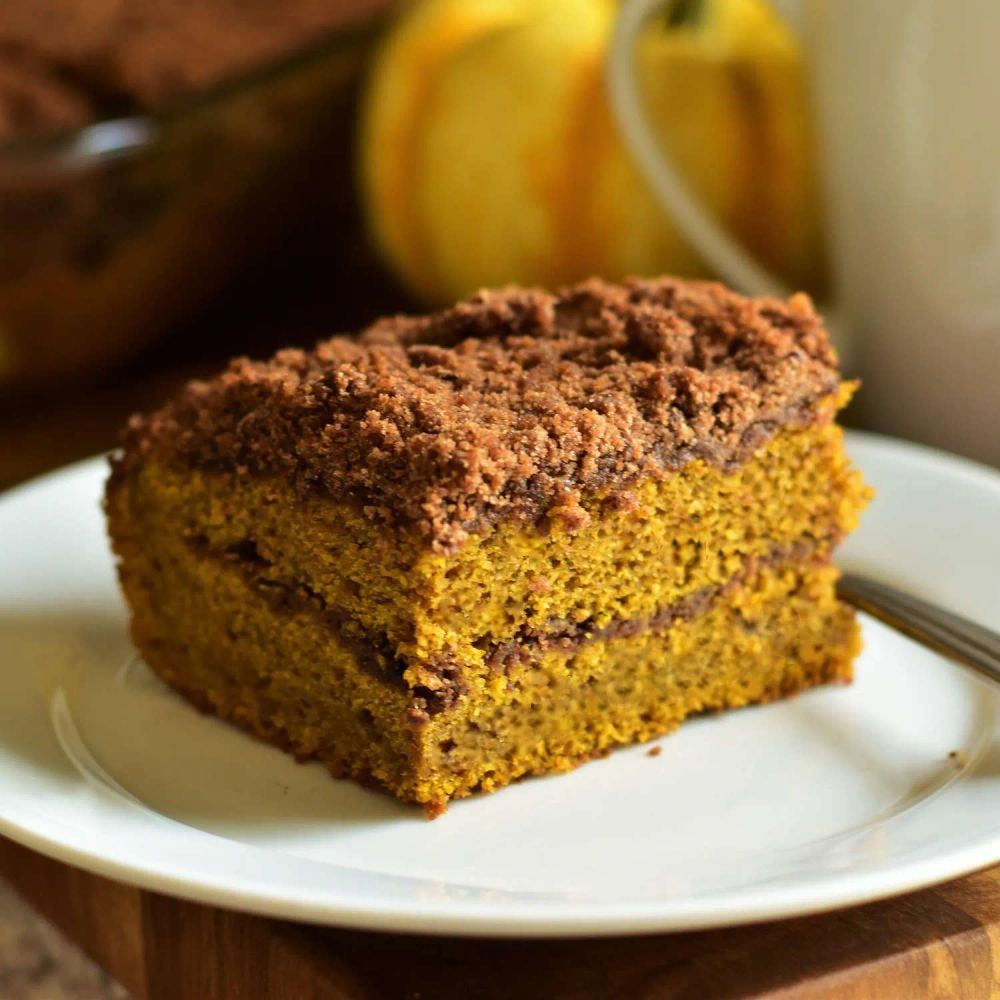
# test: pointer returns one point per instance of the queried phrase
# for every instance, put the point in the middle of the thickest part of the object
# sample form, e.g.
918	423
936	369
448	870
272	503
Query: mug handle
717	247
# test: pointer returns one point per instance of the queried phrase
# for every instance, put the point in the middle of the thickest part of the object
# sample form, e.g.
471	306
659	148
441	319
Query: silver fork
951	635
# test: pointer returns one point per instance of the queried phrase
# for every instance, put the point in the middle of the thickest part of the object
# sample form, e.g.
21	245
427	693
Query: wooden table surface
941	943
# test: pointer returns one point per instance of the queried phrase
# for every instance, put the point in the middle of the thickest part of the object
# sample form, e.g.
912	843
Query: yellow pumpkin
489	153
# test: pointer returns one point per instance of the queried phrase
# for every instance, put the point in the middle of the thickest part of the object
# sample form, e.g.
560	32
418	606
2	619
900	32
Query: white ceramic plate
840	796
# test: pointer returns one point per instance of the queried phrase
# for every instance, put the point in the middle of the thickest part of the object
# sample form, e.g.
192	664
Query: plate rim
564	918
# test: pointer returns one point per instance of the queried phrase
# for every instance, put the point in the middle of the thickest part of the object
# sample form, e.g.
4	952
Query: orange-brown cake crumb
500	540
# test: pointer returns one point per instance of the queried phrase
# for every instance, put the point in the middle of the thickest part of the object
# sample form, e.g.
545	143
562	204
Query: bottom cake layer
268	661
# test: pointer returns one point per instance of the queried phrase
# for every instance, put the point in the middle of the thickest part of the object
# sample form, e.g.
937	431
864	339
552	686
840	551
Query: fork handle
951	635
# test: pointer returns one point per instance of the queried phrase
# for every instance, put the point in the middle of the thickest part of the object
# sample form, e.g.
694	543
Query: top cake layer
510	404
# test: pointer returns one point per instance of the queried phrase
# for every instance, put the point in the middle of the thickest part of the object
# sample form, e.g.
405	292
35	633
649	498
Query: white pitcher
907	97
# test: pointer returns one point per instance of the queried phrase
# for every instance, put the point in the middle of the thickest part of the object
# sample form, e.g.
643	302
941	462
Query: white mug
907	97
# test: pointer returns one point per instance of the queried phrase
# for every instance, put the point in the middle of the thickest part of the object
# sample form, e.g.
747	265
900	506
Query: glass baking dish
111	233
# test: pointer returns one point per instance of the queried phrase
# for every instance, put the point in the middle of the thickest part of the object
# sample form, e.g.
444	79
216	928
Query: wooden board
941	943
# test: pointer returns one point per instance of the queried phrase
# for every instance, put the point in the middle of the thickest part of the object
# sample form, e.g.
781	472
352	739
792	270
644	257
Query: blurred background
184	180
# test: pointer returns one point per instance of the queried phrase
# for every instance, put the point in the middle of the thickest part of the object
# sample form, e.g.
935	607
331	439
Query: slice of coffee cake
501	539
